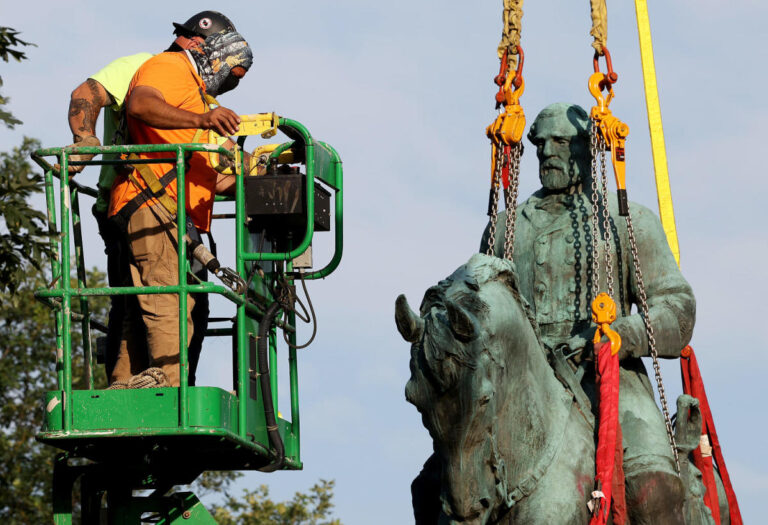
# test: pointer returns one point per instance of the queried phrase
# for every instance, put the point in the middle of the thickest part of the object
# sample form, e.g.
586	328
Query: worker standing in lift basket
166	104
107	89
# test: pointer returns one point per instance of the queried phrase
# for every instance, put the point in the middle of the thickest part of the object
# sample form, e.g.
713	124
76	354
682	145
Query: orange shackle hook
518	78
503	66
610	77
503	80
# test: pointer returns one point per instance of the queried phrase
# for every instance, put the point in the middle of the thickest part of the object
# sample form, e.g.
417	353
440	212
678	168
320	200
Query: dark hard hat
205	23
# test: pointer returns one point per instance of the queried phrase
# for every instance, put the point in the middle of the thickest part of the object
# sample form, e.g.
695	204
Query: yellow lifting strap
599	25
510	35
666	210
210	100
154	184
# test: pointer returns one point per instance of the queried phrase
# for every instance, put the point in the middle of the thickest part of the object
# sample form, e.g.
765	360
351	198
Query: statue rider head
561	136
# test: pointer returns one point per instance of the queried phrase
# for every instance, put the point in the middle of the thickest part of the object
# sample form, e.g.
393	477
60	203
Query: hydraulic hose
266	390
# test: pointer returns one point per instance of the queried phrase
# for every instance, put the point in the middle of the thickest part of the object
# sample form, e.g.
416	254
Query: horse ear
461	324
410	325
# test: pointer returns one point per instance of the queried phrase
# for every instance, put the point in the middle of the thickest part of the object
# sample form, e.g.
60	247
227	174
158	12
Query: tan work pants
152	241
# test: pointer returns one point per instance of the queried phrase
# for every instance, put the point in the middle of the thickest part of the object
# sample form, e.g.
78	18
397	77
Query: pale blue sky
404	91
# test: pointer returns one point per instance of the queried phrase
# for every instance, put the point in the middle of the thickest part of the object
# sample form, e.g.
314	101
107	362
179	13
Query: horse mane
481	269
441	359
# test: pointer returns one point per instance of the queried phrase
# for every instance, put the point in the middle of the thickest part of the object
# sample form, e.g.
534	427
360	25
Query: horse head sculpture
461	367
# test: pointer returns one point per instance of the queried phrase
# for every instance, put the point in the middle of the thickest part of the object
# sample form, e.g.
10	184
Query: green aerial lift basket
160	437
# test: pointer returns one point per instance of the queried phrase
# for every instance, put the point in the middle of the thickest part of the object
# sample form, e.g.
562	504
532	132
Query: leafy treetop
9	43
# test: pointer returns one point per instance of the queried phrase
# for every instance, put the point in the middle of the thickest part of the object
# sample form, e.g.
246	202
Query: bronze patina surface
503	372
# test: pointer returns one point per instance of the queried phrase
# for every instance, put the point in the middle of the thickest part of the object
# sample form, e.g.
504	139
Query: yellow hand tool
264	124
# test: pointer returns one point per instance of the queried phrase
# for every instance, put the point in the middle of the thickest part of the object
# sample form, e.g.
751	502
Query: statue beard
557	178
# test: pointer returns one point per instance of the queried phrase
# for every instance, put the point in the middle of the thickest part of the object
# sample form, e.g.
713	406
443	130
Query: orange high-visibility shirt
174	76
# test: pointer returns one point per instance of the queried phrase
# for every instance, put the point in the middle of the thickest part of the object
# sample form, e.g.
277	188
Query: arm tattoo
90	113
96	98
89	107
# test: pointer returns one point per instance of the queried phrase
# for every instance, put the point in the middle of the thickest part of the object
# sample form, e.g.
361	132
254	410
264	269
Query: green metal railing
321	162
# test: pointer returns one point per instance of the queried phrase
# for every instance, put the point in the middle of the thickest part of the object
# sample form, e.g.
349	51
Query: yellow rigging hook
508	127
613	131
603	314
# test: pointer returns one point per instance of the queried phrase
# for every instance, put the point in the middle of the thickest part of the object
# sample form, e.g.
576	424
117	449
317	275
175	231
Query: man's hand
222	120
89	140
85	104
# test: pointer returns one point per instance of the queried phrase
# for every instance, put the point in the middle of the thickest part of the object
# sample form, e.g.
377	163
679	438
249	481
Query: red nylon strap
693	385
505	166
705	465
619	508
609	435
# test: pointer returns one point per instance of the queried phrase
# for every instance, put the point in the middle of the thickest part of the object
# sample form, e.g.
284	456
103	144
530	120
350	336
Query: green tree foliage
23	235
28	357
255	507
9	48
28	347
215	482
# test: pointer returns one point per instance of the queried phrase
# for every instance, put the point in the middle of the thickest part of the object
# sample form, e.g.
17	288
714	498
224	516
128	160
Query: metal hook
611	77
603	314
505	82
597	81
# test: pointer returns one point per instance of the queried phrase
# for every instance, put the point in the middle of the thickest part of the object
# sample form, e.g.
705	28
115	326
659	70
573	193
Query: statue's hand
582	339
624	327
585	338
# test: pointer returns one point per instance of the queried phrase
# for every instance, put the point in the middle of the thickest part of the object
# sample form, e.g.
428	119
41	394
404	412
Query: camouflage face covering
217	56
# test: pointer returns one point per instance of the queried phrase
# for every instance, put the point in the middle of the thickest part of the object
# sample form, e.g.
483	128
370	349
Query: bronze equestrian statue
502	364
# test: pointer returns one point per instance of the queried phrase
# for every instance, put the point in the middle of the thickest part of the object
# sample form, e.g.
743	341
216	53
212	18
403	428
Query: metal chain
600	198
513	164
606	224
596	145
495	183
643	299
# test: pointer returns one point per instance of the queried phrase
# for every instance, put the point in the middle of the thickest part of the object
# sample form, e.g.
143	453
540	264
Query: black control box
277	205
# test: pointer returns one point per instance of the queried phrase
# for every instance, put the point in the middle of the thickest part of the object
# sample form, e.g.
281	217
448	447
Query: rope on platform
149	378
